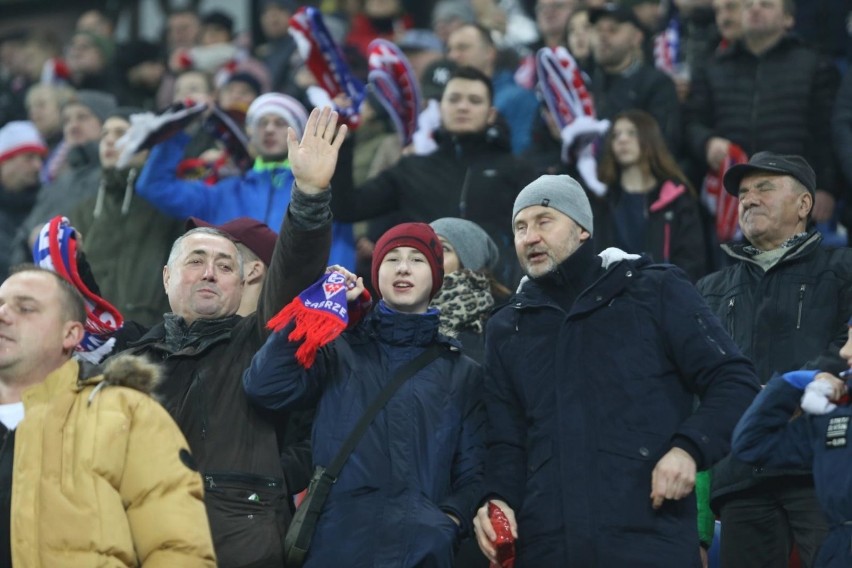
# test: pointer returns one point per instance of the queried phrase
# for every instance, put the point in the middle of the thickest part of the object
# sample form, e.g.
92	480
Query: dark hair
484	33
789	7
73	304
654	156
473	74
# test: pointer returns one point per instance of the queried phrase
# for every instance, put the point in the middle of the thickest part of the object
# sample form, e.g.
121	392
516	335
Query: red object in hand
505	542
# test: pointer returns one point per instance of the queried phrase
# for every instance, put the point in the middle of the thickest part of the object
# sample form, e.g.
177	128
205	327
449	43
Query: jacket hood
129	371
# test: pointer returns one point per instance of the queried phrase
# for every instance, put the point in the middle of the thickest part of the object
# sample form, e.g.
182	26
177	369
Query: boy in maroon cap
407	492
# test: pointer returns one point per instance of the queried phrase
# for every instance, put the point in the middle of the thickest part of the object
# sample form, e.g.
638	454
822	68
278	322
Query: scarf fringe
315	328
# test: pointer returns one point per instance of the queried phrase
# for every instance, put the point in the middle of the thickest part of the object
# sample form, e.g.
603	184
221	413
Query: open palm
314	158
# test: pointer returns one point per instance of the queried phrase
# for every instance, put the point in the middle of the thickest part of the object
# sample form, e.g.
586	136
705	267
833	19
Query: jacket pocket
623	478
247	518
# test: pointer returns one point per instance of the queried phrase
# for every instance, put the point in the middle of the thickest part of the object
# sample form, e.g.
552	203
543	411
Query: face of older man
203	280
772	209
544	238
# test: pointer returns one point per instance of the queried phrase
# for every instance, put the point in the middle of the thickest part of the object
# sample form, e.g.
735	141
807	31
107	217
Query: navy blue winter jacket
583	401
767	437
419	460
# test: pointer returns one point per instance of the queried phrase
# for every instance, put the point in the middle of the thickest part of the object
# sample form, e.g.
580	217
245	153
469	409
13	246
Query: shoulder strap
403	374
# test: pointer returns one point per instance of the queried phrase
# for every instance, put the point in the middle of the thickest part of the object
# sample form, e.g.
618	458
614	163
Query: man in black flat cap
785	301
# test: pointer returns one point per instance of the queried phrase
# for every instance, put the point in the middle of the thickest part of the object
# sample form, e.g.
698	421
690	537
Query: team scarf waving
721	203
393	82
667	47
320	314
564	91
325	61
56	250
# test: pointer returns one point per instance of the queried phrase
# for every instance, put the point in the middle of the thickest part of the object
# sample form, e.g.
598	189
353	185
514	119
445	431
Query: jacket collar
174	335
802	249
738	48
395	328
602	279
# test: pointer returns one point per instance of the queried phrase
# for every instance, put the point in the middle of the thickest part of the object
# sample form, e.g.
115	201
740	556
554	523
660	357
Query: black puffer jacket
642	87
779	101
791	317
473	177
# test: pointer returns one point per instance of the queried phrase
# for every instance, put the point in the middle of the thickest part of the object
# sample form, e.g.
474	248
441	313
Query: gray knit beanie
102	104
563	193
475	249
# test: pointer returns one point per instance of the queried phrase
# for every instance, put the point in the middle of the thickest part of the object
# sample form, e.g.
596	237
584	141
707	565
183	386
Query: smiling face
544	238
202	280
405	280
36	335
772	208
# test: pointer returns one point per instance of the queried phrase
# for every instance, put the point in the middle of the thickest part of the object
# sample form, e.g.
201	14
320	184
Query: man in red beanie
408	491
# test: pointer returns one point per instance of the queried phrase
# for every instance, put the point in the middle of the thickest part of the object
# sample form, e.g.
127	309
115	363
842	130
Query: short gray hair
177	246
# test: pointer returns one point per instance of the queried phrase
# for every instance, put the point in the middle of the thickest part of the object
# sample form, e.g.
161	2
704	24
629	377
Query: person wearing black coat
767	91
785	301
592	370
204	346
472	174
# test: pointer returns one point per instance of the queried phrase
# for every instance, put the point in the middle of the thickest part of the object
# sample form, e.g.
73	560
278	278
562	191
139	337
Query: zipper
730	315
801	301
463	196
211	480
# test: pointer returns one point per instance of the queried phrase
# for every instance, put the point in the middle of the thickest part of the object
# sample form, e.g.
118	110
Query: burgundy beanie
415	235
256	236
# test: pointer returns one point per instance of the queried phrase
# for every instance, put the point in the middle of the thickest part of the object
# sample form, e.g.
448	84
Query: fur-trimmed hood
125	370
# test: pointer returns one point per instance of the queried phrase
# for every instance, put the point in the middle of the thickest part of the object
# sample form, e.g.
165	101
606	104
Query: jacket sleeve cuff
309	212
689	447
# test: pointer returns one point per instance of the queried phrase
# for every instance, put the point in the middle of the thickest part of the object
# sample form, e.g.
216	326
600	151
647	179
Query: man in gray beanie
591	373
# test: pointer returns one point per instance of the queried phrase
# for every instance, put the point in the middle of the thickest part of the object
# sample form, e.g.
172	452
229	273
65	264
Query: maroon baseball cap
257	236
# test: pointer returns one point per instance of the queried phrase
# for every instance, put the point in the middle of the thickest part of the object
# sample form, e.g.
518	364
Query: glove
816	398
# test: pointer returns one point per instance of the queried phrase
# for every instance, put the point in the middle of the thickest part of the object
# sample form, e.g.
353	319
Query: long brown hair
654	156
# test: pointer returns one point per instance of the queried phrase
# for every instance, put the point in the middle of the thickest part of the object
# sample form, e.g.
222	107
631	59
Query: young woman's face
625	143
451	259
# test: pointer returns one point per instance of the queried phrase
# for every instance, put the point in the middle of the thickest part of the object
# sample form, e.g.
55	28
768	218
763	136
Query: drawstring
128	191
99	202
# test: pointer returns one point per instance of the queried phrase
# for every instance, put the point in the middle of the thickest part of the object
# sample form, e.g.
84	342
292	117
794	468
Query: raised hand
314	158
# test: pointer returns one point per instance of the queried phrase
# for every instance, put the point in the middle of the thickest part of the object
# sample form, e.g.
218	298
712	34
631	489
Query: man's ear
807	205
255	271
72	336
166	277
584	235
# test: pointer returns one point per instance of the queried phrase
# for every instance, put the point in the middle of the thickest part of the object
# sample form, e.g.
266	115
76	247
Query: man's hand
314	158
485	535
673	477
823	208
717	150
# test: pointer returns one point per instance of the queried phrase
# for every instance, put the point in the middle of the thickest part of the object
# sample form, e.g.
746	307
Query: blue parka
583	402
420	459
261	194
767	437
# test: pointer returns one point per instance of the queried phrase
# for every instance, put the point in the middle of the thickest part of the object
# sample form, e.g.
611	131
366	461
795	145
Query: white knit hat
20	136
284	106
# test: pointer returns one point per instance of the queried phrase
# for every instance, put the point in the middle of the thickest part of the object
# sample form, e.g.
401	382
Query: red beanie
415	235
